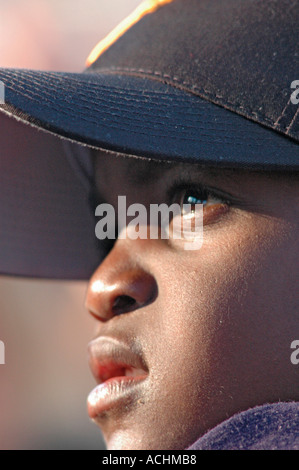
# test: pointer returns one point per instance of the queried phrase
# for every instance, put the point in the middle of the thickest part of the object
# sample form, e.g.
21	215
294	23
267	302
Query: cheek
221	325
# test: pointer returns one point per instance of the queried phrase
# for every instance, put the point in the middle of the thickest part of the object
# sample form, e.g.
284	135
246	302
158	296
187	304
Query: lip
118	370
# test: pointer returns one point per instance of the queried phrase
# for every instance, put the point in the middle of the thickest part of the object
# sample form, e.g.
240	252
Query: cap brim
143	117
47	226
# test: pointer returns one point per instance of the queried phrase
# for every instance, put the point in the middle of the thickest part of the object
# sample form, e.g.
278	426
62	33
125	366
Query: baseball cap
198	81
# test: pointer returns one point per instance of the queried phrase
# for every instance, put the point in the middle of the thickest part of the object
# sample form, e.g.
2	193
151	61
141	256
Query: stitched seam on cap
32	95
220	98
92	89
67	110
276	124
288	129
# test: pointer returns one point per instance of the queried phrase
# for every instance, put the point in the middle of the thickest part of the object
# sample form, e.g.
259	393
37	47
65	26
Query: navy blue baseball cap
198	81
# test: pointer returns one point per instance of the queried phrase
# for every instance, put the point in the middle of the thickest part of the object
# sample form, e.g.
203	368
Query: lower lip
111	393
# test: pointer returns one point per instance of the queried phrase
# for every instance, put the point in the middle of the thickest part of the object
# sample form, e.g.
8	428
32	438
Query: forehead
130	170
137	171
121	173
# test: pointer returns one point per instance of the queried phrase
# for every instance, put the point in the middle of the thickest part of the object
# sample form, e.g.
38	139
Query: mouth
118	370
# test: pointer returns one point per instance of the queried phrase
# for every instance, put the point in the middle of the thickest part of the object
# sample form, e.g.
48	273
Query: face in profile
186	338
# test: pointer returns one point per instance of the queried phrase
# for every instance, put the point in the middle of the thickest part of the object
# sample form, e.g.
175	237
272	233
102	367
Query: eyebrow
141	170
136	176
155	170
150	171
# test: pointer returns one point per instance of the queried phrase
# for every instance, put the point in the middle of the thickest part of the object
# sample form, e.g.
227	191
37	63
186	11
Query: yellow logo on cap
146	7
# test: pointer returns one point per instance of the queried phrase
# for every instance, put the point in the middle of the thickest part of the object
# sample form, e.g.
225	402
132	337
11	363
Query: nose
119	285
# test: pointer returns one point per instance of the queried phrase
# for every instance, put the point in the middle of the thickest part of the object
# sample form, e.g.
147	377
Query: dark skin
213	326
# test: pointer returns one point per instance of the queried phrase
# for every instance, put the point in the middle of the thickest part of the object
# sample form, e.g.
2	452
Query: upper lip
110	357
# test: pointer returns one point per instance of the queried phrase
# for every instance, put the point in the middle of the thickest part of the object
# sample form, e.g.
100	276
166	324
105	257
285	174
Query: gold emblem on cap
146	7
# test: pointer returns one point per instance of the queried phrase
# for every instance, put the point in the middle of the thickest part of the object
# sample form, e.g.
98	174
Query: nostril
124	304
113	292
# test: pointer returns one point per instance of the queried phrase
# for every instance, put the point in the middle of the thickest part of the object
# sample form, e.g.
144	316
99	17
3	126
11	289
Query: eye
198	202
190	198
194	206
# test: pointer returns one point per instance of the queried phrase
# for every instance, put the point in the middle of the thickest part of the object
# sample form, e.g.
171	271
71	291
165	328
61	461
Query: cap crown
241	55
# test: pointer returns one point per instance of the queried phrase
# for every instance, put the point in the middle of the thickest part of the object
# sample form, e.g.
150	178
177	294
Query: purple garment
267	427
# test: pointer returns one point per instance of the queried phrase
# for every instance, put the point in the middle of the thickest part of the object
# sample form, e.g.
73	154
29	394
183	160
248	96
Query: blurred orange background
45	380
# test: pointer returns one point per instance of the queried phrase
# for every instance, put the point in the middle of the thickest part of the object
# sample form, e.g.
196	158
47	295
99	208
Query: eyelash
181	186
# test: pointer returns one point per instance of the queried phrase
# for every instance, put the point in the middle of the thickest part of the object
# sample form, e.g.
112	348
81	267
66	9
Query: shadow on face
208	330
